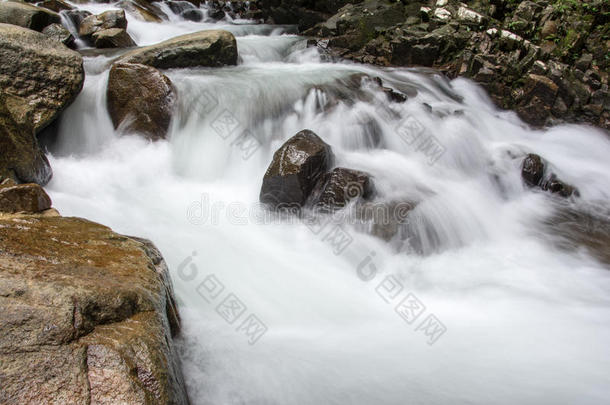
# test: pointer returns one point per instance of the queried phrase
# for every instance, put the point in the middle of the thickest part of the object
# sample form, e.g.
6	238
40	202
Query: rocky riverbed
366	152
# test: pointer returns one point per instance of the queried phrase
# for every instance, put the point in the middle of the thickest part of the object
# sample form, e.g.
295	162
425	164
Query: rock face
546	60
30	198
296	168
112	38
26	15
41	76
336	189
140	99
211	48
21	158
88	316
104	21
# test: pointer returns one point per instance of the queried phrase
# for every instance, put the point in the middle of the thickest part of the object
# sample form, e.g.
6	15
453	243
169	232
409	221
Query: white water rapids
523	322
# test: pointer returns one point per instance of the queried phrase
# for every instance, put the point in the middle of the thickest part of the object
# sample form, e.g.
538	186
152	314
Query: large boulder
140	99
88	316
212	48
296	168
29	198
21	158
112	38
337	188
108	19
41	76
27	15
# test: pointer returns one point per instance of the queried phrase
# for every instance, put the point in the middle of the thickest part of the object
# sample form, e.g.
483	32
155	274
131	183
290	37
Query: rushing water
525	321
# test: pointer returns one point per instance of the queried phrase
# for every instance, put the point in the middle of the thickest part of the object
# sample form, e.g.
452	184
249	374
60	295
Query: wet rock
41	76
532	170
55	5
59	34
212	48
295	169
106	20
88	316
140	99
77	17
195	15
337	188
112	38
23	198
534	174
27	15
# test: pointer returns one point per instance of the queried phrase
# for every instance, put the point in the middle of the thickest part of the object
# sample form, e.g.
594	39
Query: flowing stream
505	314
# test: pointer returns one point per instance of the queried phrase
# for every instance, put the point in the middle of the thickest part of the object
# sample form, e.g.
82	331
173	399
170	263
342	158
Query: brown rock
56	5
140	99
532	170
24	198
112	38
211	48
104	21
87	316
296	168
27	15
336	189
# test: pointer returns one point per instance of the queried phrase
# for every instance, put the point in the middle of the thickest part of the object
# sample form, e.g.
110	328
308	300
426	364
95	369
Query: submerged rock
29	198
27	15
112	38
88	316
140	99
212	48
296	168
41	76
337	188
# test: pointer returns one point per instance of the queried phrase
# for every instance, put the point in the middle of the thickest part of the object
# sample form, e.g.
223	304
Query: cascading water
518	319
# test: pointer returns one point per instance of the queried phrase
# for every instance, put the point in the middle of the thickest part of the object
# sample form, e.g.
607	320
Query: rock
59	34
77	17
195	15
26	15
469	16
104	21
88	316
55	5
442	14
532	170
539	94
112	38
140	99
533	173
41	75
296	167
21	159
24	198
212	48
143	10
549	29
336	189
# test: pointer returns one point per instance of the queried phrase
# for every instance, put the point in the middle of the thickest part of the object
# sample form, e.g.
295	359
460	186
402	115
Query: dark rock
140	99
59	34
77	17
195	15
532	170
336	189
296	168
112	38
26	15
556	186
212	48
24	198
143	10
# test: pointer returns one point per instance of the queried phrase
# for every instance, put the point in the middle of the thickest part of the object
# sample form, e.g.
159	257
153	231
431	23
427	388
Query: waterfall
473	300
